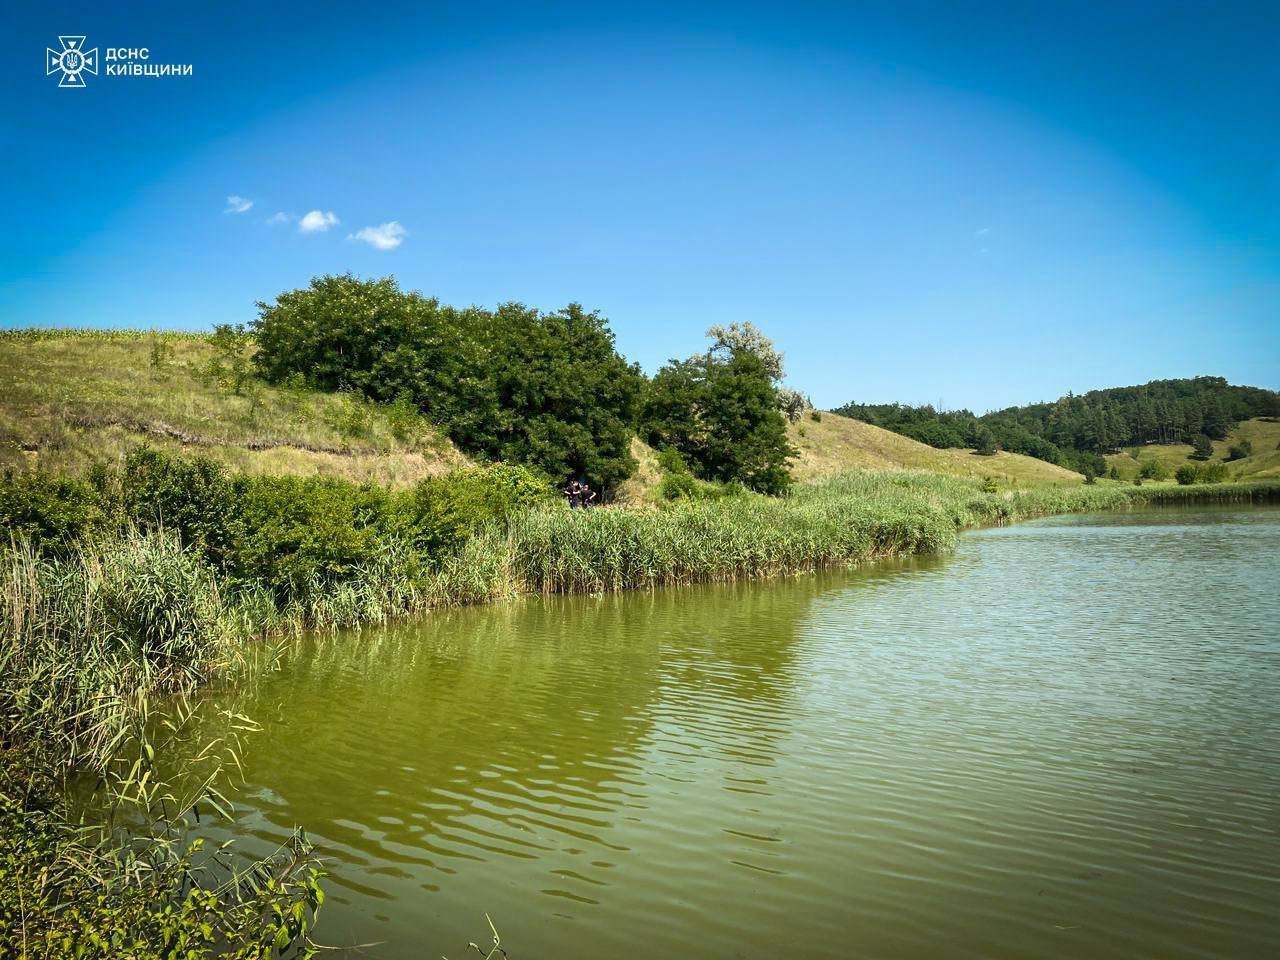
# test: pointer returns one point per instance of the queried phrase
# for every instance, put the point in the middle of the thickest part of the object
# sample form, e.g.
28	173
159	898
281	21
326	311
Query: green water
1063	741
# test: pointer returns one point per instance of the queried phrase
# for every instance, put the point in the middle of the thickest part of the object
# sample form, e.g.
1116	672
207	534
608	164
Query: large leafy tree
567	401
720	413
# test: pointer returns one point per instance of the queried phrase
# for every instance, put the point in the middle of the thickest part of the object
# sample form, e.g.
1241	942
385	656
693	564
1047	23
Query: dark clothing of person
573	492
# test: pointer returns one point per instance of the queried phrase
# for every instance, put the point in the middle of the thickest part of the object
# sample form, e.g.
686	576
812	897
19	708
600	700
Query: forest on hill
1077	430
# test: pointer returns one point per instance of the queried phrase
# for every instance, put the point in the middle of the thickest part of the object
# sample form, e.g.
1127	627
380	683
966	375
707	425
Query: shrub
681	486
192	496
161	353
404	418
722	416
60	897
984	442
350	415
679	483
52	512
544	389
1240	450
447	510
298	535
230	366
1186	474
1212	473
1153	470
568	402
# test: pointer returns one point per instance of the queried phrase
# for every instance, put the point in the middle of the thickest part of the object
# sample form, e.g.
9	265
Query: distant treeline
1075	431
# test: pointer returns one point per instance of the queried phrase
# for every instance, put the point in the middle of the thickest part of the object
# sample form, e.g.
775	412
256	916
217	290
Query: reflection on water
1063	741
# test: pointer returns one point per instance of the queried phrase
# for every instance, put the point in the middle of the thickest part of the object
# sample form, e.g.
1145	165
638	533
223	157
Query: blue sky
978	204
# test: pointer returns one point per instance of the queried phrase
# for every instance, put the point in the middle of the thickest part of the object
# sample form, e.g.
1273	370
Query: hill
1262	464
836	443
69	398
1078	430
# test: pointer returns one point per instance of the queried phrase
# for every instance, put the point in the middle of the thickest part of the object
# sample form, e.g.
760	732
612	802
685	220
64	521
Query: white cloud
315	221
238	204
278	218
982	232
388	236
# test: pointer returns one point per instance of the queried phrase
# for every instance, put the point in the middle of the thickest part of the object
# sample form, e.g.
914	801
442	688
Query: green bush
406	421
59	897
722	416
1205	473
230	366
447	510
191	496
984	442
1212	473
1240	450
1153	470
679	483
350	416
51	512
297	535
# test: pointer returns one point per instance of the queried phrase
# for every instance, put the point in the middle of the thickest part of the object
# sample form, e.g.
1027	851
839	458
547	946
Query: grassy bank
72	398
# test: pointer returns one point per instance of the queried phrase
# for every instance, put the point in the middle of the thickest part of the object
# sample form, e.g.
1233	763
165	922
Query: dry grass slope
68	400
836	444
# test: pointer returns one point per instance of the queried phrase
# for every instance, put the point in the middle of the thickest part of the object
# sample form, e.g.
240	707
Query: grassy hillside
835	444
1263	464
68	399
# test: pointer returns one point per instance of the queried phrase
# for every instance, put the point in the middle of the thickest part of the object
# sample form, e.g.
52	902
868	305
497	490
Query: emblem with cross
73	60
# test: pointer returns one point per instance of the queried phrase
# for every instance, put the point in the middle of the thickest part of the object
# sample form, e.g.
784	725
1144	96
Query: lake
1061	741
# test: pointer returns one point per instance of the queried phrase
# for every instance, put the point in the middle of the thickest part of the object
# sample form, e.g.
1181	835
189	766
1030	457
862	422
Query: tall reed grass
81	636
87	641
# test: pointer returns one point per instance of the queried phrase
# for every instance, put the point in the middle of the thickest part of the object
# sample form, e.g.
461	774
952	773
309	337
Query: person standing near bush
587	495
573	493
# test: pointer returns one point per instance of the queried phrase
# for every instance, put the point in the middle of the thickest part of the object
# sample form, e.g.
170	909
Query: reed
88	641
81	635
847	519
